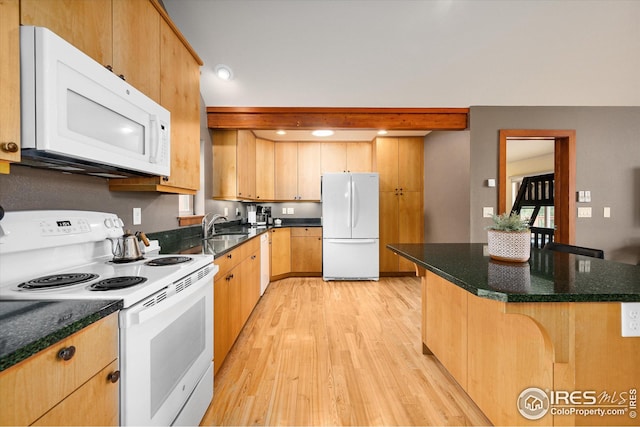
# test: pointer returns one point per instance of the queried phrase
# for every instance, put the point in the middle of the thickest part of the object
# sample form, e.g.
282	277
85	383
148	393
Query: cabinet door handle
9	147
229	277
229	256
253	257
67	353
113	377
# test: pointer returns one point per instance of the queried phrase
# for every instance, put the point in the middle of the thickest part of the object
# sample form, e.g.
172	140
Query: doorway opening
564	159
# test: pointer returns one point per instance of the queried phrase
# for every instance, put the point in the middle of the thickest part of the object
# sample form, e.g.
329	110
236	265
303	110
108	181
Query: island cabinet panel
446	325
506	355
10	78
496	350
77	390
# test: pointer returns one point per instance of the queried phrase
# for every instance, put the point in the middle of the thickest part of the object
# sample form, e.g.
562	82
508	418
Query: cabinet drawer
306	232
93	404
35	385
229	260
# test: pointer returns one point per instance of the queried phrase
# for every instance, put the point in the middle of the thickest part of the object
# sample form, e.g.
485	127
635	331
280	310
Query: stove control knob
108	223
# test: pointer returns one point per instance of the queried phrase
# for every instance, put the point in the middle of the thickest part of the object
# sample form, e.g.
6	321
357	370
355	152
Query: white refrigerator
350	230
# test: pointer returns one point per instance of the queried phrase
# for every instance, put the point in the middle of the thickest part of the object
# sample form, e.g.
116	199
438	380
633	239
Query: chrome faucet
207	224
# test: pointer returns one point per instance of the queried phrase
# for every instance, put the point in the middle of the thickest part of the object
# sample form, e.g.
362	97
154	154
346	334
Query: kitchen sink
228	236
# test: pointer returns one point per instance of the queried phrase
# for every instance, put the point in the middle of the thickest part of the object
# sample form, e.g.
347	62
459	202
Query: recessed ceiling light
382	132
322	132
223	72
281	132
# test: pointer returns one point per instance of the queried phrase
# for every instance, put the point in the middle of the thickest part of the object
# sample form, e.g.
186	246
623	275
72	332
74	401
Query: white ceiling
520	149
415	53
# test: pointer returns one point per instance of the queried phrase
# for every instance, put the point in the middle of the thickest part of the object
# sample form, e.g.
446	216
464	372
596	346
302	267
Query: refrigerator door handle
351	241
354	196
350	203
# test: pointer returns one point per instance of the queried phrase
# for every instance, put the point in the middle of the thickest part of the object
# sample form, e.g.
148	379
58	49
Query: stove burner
114	283
58	281
125	260
169	260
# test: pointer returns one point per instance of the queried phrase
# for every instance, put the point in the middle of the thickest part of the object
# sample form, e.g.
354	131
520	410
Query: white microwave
79	117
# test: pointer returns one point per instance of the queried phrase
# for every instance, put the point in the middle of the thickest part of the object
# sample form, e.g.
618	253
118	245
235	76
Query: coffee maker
263	216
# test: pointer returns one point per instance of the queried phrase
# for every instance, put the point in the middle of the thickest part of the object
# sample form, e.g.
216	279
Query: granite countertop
547	277
189	239
31	326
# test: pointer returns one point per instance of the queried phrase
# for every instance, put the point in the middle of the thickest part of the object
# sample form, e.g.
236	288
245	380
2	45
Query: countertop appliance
166	325
265	270
79	117
350	226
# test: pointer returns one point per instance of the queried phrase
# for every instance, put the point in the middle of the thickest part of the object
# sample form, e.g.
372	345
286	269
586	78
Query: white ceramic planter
510	246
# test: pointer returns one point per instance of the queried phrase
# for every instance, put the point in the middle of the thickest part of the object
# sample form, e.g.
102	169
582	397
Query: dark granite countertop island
547	277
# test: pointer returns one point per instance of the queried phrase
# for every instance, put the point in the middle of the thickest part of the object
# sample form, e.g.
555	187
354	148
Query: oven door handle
140	313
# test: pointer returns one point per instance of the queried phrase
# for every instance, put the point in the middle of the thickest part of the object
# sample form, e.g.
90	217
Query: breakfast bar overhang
534	343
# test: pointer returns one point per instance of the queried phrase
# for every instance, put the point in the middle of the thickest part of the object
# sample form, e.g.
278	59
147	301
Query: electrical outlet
630	319
290	211
606	212
284	211
137	216
487	212
226	211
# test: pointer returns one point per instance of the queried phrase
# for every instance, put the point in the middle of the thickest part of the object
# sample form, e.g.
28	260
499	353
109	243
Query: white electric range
165	327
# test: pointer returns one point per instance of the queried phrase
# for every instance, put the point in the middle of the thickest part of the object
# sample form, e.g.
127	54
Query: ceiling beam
337	118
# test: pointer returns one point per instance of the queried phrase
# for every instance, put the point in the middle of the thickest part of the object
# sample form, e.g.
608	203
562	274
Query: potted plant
509	238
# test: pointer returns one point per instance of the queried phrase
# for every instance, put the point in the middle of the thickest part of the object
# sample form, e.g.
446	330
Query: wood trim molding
565	176
337	118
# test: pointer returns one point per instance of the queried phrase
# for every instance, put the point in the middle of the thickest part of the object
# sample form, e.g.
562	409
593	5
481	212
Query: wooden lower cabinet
236	293
47	390
280	248
306	250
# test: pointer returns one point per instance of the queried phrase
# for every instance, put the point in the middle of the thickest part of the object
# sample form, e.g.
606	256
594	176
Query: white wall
416	53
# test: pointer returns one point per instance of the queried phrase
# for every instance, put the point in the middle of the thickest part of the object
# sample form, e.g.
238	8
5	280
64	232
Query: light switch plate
584	212
606	212
487	212
137	216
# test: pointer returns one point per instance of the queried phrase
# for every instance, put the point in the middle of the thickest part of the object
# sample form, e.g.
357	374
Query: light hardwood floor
337	353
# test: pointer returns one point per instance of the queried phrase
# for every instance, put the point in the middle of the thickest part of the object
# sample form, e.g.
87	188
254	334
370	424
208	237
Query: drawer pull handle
67	353
9	147
114	376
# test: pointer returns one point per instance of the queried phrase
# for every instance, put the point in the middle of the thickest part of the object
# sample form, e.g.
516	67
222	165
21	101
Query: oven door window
173	351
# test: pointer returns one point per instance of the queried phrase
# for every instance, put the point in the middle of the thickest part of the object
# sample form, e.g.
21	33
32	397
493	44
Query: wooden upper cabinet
400	163
138	62
10	81
286	170
333	157
309	171
246	167
353	156
359	156
86	24
265	169
121	34
234	164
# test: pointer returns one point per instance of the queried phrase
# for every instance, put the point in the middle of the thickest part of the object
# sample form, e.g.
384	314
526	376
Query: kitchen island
531	343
